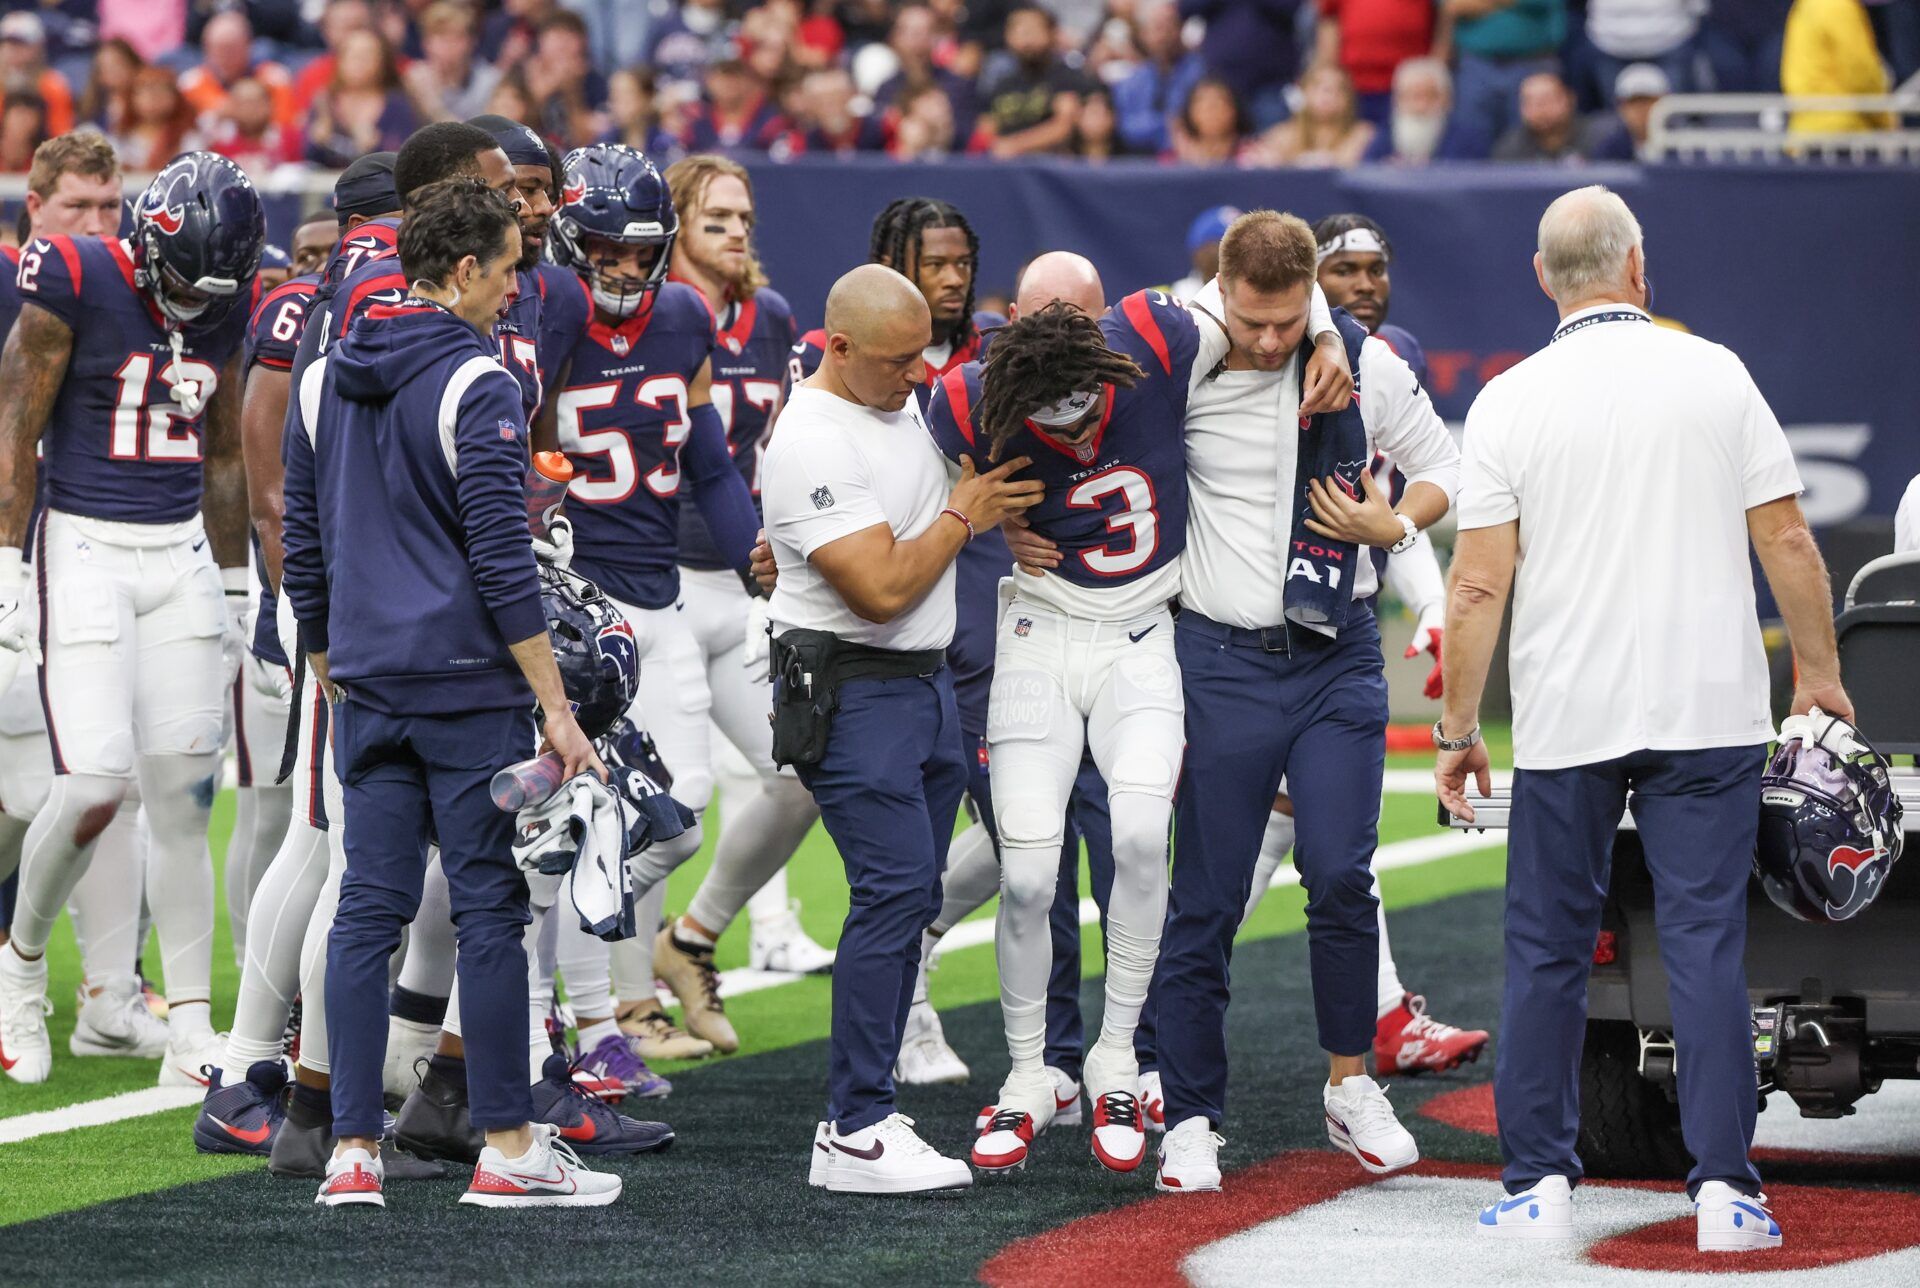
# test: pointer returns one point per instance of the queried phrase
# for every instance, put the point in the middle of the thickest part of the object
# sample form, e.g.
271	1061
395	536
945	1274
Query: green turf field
64	1171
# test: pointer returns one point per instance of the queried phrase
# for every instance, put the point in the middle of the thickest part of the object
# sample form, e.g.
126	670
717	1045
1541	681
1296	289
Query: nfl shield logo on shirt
1023	626
620	345
821	497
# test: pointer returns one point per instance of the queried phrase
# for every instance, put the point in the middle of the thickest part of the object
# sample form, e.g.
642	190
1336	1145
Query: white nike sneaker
1066	1099
1189	1158
116	1021
1542	1213
783	944
190	1056
1153	1102
1119	1129
817	1161
1360	1121
890	1158
26	1052
549	1174
354	1177
1026	1108
1728	1221
925	1057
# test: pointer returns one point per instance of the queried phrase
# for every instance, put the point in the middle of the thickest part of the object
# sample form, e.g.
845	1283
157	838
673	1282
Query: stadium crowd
275	83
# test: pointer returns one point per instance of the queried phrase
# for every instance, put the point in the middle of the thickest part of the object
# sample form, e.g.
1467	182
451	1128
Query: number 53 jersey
123	441
1115	504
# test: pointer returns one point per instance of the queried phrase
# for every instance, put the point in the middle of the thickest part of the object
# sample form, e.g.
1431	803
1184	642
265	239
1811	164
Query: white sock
769	903
176	796
189	1020
1275	844
1391	992
592	1035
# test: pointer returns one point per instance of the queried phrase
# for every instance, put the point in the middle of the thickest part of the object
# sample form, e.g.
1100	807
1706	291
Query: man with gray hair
1423	127
1614	480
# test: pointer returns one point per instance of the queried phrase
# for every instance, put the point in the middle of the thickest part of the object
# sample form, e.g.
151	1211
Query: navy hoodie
408	558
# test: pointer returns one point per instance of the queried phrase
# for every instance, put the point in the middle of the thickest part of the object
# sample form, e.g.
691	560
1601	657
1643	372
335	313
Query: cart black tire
1629	1129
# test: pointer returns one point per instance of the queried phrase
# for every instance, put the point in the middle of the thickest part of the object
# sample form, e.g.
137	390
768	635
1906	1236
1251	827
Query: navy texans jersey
751	343
1401	341
1116	505
273	337
623	418
9	291
375	239
118	445
566	307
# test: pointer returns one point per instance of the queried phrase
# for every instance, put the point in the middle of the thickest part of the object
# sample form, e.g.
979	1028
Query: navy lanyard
1595	319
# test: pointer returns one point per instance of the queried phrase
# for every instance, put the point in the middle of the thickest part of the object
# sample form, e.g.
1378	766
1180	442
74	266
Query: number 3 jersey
1115	505
123	441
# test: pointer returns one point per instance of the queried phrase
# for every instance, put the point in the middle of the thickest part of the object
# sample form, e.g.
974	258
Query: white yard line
97	1113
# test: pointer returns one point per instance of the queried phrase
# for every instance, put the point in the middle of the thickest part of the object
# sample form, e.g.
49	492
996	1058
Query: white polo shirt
1630	454
1243	442
834	469
1906	519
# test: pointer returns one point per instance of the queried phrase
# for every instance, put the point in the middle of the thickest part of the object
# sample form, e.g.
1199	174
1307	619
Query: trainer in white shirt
1906	520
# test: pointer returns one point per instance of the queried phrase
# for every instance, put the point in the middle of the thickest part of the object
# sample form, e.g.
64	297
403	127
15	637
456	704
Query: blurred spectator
736	113
226	57
251	136
1500	43
1153	91
819	39
450	80
1113	53
105	102
511	98
1369	39
635	116
339	20
24	71
1549	129
160	125
1423	126
830	123
1620	134
911	38
23	127
1327	130
1096	134
1250	45
1203	250
1212	127
364	108
617	30
1829	49
1741	41
508	36
1643	31
153	30
1032	105
1896	30
686	39
567	92
924	130
765	44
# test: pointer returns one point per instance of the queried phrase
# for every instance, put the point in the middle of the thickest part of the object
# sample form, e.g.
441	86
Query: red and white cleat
1153	1103
1119	1136
1005	1141
1407	1040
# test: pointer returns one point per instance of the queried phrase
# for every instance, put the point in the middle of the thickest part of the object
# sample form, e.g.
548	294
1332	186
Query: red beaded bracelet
963	519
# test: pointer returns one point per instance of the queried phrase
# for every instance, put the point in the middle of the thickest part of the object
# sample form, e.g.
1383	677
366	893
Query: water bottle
531	782
547	484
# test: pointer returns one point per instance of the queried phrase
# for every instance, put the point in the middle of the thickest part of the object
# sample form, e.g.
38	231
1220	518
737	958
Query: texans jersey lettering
749	361
1116	505
273	332
120	443
623	419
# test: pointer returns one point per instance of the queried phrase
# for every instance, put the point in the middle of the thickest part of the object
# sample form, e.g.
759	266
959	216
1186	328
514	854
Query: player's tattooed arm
32	366
226	474
263	418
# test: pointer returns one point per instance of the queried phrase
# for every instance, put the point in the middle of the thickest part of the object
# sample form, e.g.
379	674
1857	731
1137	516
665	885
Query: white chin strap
187	394
622	304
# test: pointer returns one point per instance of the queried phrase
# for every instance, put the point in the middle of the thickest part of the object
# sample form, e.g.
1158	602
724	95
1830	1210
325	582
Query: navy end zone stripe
46	702
955	383
1141	316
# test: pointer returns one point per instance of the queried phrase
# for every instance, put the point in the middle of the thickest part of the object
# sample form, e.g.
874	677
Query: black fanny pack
808	669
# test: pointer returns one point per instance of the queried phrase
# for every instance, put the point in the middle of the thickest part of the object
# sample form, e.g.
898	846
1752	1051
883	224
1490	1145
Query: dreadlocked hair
1039	358
896	243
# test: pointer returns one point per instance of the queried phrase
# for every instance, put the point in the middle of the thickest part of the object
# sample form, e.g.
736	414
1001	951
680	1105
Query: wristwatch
1445	743
1405	542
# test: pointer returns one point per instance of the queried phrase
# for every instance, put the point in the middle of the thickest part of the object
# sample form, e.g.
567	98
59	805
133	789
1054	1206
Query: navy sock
421	1008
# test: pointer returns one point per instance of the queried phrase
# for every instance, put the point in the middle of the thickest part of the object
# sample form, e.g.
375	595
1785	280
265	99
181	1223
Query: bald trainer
864	532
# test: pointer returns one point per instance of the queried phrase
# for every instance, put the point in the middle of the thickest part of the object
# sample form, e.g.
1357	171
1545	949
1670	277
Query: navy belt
1268	639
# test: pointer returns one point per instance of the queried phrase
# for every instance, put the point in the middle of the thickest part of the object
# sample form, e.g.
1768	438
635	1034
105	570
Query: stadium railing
1756	127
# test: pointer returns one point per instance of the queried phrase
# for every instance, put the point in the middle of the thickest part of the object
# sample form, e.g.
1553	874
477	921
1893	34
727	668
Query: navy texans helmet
1829	820
198	231
612	193
598	656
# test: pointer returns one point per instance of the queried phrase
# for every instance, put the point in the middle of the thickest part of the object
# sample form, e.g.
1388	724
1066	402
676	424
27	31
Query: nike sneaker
1360	1121
434	1121
1023	1112
1119	1130
116	1021
1407	1040
614	1060
1543	1213
1728	1221
822	1156
354	1178
192	1057
549	1174
890	1158
1066	1099
584	1123
1153	1103
782	944
26	1052
241	1118
925	1058
655	1037
1189	1158
303	1147
687	969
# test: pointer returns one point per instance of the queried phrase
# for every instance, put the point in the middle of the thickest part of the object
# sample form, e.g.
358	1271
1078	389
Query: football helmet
613	193
198	232
1830	822
598	656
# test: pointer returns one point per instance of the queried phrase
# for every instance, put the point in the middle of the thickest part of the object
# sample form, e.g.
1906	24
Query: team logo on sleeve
1023	626
822	498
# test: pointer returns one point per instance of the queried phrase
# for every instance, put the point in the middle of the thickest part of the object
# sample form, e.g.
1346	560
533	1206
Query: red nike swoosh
868	1154
5	1063
253	1136
582	1130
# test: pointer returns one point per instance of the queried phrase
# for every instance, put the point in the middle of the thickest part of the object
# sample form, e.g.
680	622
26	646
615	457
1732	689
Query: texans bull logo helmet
610	193
197	237
598	656
1830	822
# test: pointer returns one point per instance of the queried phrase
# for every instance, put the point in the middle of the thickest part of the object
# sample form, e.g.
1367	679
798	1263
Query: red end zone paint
1823	1227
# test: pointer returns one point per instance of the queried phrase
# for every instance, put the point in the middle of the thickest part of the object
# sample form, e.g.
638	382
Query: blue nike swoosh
1142	635
1522	1201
